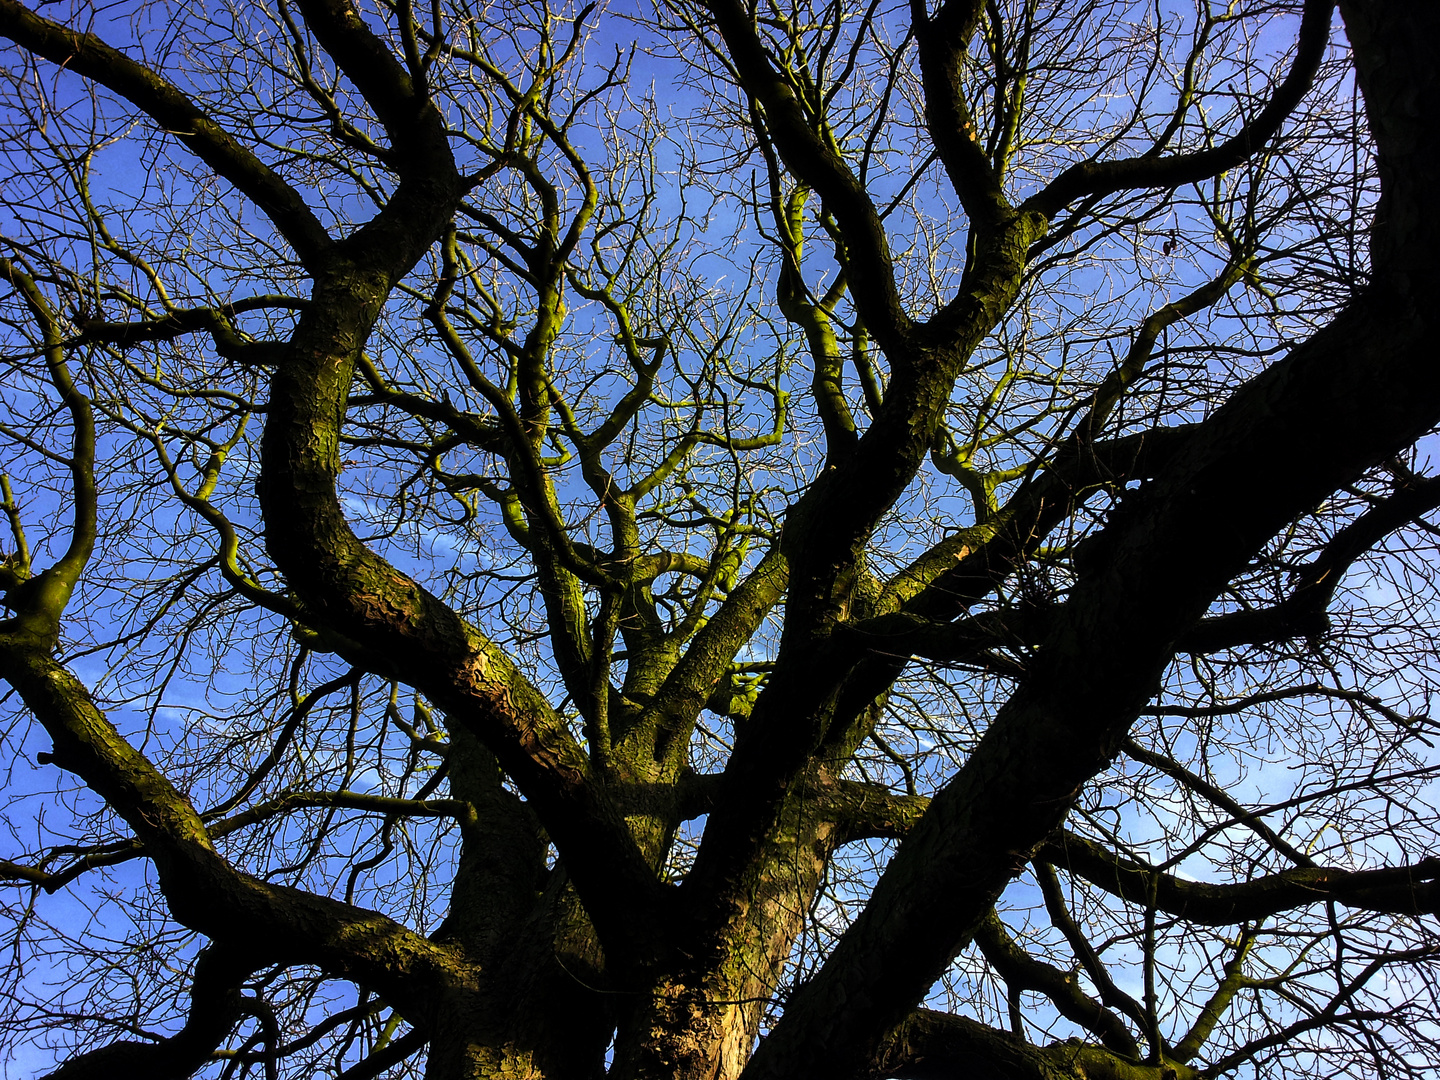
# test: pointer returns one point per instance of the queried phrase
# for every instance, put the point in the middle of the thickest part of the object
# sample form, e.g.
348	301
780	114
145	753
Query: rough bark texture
570	933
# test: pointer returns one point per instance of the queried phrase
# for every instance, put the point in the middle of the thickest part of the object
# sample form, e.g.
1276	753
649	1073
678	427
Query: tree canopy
701	539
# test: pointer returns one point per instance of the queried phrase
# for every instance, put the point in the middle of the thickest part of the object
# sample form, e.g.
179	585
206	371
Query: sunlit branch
943	41
176	114
932	1045
39	601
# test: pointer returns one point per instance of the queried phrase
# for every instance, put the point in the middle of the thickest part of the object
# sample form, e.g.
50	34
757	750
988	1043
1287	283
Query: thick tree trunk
703	1022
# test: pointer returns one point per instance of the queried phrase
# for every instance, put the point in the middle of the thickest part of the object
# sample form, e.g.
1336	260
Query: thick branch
826	533
931	1045
215	1008
943	40
40	600
870	269
203	891
388	1056
1021	971
864	810
414	125
1354	395
87	55
966	567
1402	890
353	591
1106	177
1303	611
347	588
1061	919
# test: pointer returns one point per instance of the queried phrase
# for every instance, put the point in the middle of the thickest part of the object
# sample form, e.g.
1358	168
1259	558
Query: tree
793	539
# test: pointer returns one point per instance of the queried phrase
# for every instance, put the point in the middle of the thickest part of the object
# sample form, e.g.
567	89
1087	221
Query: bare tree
785	539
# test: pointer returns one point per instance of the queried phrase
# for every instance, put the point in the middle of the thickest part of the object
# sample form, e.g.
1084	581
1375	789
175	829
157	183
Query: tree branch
1303	611
40	598
1021	971
1402	890
870	269
87	55
930	1045
391	1054
943	40
215	1008
203	891
1107	177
